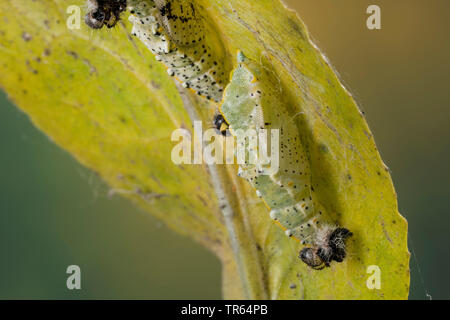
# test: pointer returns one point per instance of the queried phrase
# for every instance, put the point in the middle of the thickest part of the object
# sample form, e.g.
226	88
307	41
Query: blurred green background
54	213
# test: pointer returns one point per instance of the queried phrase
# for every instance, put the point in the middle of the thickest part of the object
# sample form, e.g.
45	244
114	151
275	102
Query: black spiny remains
104	13
330	247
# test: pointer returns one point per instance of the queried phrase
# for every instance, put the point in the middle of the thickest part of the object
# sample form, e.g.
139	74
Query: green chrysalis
253	101
174	31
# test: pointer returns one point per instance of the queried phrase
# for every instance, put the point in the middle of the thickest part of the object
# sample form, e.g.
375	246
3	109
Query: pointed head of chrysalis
329	246
241	57
104	13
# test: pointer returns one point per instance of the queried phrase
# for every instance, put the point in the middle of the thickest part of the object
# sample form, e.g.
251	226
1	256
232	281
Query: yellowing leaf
103	97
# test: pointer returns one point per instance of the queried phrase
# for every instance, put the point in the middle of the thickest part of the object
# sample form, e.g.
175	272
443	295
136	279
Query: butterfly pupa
175	32
252	101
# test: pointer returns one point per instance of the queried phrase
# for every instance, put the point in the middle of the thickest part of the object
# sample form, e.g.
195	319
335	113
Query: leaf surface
104	98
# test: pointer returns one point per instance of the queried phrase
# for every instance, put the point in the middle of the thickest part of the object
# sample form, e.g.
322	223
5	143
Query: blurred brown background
55	213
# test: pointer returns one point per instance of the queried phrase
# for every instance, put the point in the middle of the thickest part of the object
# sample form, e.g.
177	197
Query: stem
240	240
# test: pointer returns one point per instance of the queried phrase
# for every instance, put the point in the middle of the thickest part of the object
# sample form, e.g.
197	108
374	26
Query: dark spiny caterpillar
221	124
175	32
252	102
104	13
